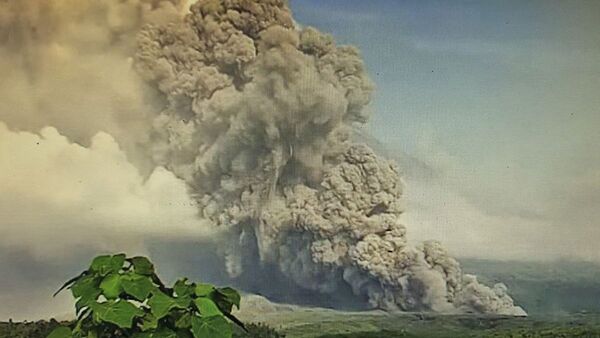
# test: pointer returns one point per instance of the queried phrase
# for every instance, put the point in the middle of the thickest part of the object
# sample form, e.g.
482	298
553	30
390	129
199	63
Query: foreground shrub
41	329
123	297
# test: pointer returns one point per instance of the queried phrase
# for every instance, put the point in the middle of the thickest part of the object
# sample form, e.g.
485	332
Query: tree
123	297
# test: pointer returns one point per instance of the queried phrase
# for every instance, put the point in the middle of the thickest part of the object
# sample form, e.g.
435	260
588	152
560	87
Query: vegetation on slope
124	297
41	329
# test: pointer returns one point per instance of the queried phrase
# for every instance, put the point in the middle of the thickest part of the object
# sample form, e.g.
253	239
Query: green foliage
213	326
60	332
39	329
42	329
123	297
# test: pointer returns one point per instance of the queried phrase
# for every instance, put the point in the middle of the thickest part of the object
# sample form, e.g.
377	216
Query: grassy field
41	329
448	327
562	298
347	325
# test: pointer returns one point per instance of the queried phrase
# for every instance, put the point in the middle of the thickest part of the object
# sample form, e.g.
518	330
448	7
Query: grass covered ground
41	329
554	294
345	325
330	325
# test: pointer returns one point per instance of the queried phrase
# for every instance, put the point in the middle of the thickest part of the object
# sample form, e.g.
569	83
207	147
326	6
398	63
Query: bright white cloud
57	197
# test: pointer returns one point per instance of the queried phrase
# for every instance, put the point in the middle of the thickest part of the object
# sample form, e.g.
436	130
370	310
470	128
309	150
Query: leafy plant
123	297
41	329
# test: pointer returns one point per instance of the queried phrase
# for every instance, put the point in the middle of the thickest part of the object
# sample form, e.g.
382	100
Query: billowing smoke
67	64
255	114
258	121
69	100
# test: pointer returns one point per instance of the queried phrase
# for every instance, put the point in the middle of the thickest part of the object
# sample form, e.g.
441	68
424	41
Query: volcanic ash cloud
258	120
67	64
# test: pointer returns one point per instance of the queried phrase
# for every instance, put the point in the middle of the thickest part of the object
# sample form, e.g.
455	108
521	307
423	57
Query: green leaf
160	304
111	286
137	286
87	290
142	265
184	302
103	265
85	302
85	286
184	322
226	298
164	333
120	313
160	333
231	295
61	332
207	307
211	327
182	288
203	290
149	322
184	334
69	283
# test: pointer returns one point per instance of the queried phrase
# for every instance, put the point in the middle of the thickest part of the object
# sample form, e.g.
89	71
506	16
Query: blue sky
470	69
498	98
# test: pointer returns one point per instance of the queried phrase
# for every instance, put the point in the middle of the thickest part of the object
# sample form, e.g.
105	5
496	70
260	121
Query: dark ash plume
258	121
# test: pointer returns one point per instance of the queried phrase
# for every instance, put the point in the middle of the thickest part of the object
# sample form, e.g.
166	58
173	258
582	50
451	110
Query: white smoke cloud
62	203
57	197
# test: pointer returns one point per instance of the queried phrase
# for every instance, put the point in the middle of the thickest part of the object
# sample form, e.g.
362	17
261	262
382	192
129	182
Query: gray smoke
258	121
67	64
